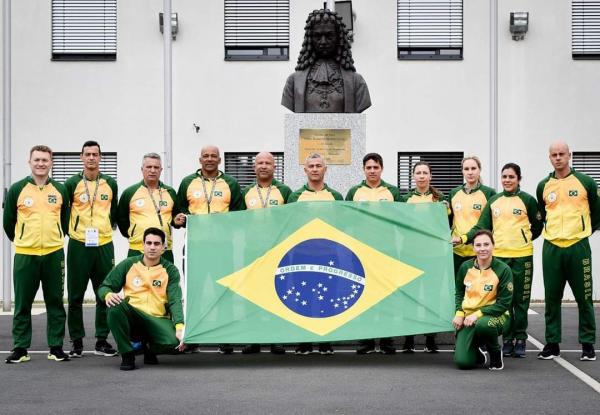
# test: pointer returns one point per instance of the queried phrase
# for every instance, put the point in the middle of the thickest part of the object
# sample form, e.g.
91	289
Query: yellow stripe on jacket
467	210
143	215
481	287
512	230
146	289
81	212
567	211
221	196
38	229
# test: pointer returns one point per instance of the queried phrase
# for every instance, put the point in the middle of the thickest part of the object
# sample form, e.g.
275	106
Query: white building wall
417	105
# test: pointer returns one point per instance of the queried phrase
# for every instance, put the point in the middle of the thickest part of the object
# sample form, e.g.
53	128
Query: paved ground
208	383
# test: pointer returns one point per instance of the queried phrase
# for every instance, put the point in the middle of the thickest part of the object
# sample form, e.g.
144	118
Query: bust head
325	37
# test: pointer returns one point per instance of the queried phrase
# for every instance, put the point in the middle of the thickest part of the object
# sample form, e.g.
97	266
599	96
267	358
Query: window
587	162
430	29
585	29
445	169
241	166
65	165
84	30
257	30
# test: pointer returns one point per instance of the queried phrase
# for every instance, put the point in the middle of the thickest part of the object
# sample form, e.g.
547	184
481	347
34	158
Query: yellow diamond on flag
290	282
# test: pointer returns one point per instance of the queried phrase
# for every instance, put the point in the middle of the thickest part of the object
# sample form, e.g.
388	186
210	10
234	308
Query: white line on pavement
579	374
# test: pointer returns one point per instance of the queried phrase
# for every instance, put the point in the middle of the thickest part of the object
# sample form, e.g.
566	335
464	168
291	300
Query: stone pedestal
340	177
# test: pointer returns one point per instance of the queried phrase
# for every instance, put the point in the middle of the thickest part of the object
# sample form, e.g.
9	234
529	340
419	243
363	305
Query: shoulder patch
510	287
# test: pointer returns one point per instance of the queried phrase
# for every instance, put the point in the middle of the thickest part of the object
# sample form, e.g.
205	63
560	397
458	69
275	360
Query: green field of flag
318	271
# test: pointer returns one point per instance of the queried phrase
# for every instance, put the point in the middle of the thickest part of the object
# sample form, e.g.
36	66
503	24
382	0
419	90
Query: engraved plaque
335	145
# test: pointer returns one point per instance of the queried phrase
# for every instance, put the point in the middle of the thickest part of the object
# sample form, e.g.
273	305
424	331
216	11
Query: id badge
92	237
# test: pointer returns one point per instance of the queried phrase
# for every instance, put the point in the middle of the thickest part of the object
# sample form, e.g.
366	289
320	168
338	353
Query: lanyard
212	189
157	207
263	202
91	200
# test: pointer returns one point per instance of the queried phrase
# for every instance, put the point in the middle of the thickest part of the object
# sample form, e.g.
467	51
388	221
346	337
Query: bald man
265	193
209	191
569	204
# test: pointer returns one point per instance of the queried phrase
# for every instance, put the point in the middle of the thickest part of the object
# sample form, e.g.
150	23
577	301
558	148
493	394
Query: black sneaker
496	362
150	357
304	348
104	348
587	352
76	349
127	361
430	345
18	355
409	345
481	358
277	349
251	348
325	348
520	349
225	349
366	349
56	353
387	349
551	350
508	348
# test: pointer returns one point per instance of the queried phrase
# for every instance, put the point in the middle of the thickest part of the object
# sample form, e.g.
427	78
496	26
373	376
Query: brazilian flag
318	271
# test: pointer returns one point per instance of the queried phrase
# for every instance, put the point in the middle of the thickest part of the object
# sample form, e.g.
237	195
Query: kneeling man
149	309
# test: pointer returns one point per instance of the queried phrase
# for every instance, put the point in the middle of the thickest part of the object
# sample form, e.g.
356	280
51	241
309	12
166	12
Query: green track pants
127	324
522	270
28	272
485	332
87	264
168	254
573	265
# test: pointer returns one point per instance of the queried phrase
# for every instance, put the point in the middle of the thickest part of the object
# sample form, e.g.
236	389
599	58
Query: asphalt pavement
345	383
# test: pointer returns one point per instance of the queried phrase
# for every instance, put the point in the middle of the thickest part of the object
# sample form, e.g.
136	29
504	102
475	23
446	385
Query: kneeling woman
484	292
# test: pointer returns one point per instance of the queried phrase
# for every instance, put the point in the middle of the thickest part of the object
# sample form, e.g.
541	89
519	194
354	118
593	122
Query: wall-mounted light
174	24
519	23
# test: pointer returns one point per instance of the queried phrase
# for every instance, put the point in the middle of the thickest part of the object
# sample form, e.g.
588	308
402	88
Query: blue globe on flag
319	278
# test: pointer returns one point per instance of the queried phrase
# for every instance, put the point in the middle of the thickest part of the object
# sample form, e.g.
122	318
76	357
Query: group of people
139	300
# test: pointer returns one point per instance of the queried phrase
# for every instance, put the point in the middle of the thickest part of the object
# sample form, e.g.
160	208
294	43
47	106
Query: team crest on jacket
252	202
573	193
140	202
552	197
137	282
488	287
319	278
52	199
197	194
83	198
156	283
497	212
457	207
218	193
28	202
477	206
517	211
103	197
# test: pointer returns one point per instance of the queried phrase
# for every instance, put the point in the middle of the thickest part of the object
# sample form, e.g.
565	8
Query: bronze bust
325	79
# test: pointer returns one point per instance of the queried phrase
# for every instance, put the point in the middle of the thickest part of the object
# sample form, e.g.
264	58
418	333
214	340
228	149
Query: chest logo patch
156	283
163	203
137	282
476	206
252	202
197	194
273	202
140	202
552	197
488	287
218	193
573	193
468	285
497	212
28	202
52	199
83	198
103	197
517	211
457	207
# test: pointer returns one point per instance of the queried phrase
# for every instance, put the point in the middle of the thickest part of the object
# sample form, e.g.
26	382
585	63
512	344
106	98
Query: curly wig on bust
343	54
